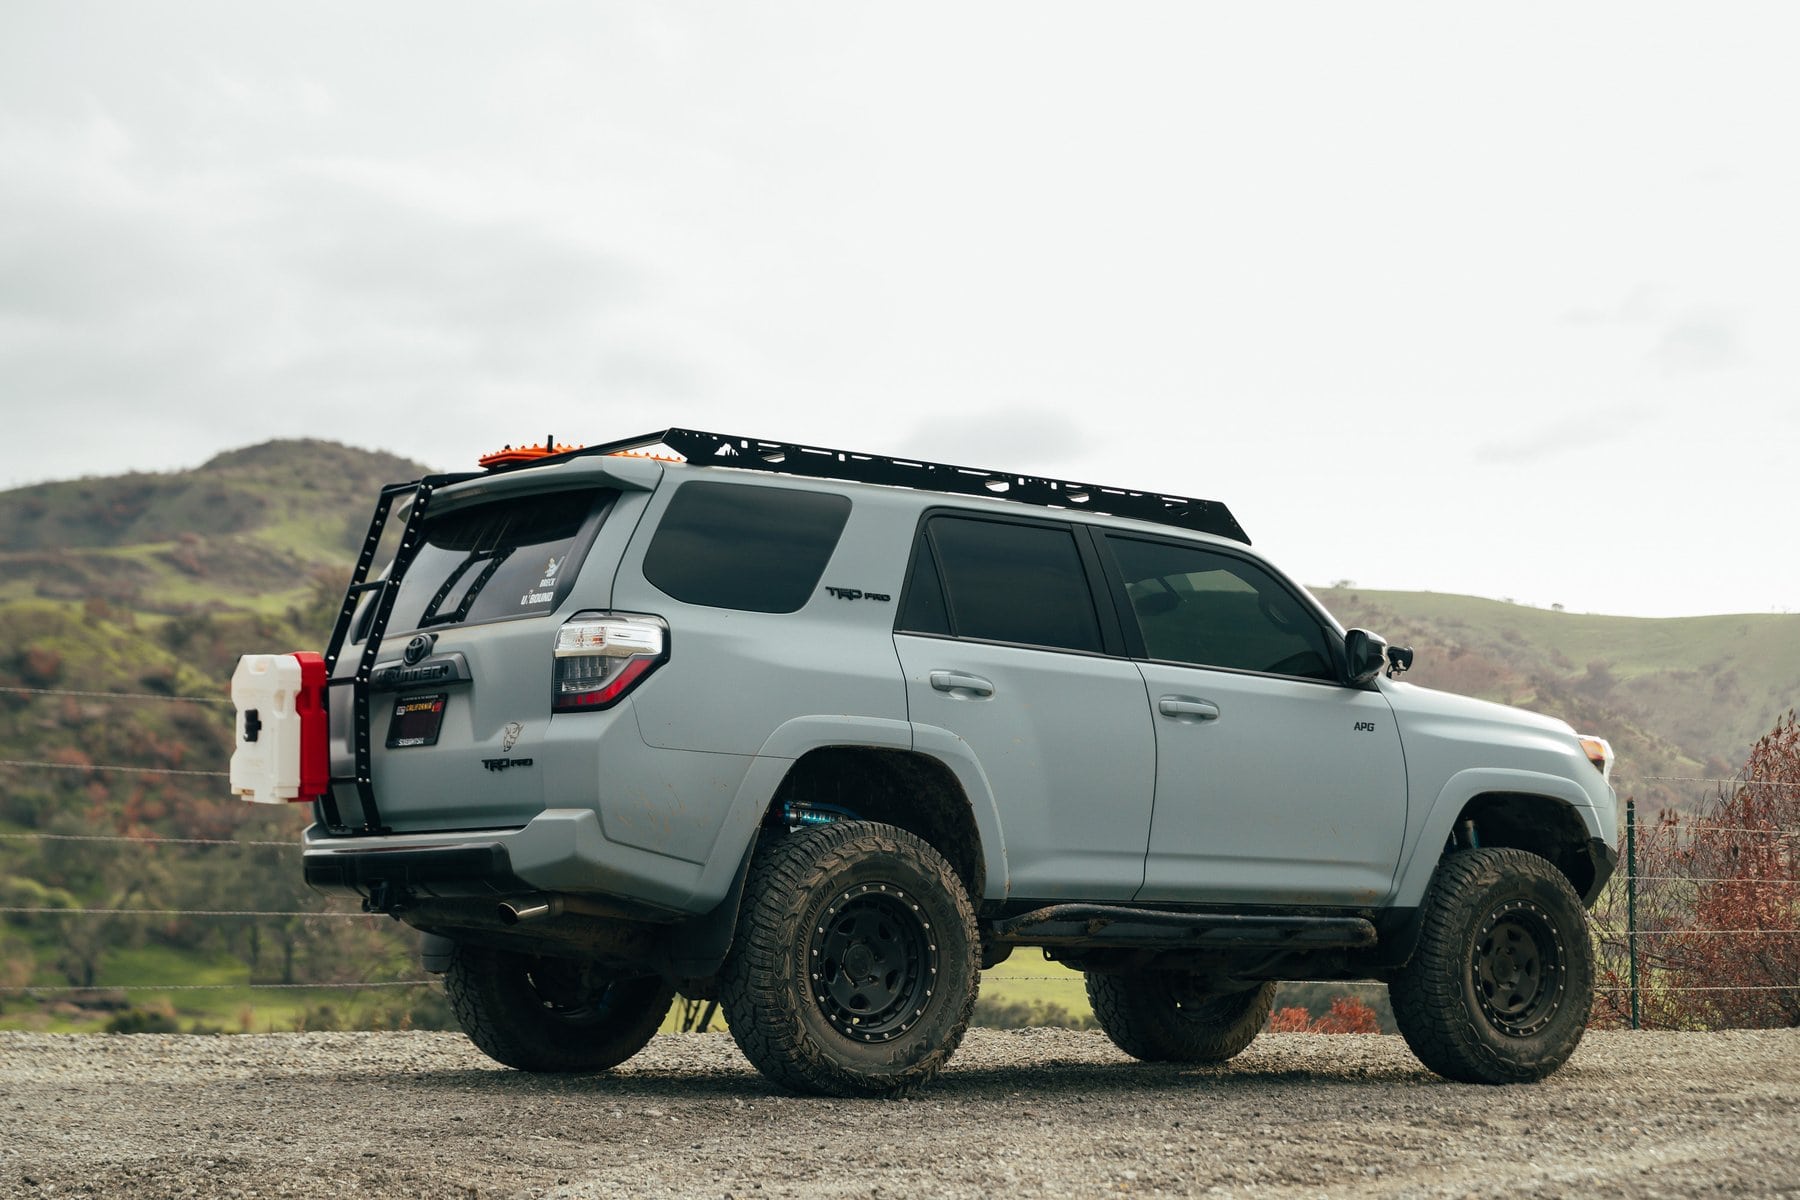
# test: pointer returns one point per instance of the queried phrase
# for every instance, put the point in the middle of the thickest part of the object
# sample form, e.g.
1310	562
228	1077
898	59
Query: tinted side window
728	545
1014	583
1215	610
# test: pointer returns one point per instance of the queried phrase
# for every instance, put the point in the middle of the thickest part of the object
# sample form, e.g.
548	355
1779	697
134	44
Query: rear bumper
452	871
561	850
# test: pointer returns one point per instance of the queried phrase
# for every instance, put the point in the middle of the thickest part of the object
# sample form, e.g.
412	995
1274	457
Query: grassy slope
157	582
1682	696
250	530
1760	650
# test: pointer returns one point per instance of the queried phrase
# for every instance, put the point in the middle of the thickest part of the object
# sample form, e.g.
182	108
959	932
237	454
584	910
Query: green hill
153	584
1678	697
248	530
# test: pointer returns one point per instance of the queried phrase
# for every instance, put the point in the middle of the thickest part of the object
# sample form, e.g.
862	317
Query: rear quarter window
758	549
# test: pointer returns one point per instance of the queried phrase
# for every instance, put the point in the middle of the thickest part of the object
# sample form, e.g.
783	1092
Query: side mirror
1366	654
1399	660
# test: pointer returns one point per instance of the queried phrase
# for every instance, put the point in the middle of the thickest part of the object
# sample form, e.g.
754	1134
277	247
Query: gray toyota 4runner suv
821	735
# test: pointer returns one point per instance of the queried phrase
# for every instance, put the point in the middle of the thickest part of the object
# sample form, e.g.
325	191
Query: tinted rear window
513	557
728	545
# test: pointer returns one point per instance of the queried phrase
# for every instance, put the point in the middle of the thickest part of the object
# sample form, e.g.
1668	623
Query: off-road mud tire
854	968
543	1014
1499	988
1162	1016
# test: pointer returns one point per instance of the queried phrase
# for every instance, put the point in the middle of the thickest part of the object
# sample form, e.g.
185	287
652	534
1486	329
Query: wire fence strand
213	987
45	910
1747	882
1601	930
1708	779
25	691
1643	933
58	766
1740	987
141	841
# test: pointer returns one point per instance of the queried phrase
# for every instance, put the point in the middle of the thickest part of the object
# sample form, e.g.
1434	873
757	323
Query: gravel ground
1032	1112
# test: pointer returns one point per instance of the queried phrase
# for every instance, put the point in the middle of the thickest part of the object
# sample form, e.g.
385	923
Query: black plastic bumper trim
459	870
1606	861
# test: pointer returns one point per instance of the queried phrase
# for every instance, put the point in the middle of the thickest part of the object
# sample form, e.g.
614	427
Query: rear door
1003	646
474	602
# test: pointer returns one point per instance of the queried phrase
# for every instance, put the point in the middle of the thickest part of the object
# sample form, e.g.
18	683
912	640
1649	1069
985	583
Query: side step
1104	925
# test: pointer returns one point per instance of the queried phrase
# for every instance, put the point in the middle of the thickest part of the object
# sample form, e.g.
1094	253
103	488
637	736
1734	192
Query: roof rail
817	462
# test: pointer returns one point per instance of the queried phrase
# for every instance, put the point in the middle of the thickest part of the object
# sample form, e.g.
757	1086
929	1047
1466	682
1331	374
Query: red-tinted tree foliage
40	667
1718	908
1290	1020
1347	1015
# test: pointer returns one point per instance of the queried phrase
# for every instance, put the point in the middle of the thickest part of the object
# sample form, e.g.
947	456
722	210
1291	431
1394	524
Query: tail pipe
529	908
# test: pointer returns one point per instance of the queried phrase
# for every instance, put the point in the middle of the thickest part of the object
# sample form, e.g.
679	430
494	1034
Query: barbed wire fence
1701	927
1630	916
113	991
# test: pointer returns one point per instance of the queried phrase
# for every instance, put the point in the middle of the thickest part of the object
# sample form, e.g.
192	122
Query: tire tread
486	992
760	1011
1134	1012
1427	994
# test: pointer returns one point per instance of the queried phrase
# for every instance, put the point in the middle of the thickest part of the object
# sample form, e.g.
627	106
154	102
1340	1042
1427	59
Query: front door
1275	782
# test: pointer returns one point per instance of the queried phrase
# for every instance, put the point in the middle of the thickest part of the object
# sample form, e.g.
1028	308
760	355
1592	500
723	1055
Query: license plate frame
416	720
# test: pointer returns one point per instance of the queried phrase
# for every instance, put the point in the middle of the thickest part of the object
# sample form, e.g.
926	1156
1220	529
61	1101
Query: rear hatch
459	696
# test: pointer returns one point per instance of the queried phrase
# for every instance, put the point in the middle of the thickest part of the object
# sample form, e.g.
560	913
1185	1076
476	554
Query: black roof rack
788	458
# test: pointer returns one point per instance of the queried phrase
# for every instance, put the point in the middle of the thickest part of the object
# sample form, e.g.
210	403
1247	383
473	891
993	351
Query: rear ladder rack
386	588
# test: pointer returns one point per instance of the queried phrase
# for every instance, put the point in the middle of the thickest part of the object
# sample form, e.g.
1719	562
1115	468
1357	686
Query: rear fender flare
702	942
954	753
795	738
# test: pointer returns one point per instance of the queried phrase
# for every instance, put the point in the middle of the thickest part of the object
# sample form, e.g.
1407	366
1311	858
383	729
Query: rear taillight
599	658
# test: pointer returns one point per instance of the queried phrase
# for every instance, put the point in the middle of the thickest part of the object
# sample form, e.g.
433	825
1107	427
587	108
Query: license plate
416	720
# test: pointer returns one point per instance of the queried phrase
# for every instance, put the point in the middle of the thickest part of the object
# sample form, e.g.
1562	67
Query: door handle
1184	709
957	681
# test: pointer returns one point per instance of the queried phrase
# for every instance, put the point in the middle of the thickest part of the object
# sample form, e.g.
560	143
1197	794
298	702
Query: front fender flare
1420	856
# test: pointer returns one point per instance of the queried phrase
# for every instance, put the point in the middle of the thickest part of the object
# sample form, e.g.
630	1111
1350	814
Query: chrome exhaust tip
528	908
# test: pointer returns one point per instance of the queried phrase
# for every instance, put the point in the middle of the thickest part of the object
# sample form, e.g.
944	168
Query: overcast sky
1500	302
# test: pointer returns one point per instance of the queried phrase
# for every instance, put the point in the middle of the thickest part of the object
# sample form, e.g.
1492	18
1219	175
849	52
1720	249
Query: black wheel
1499	988
1164	1016
552	1014
854	968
